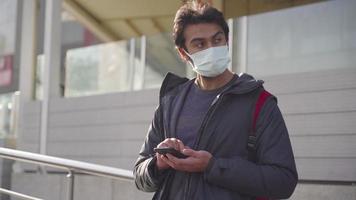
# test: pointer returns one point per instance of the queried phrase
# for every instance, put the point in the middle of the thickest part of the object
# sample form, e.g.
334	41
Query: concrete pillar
52	56
27	58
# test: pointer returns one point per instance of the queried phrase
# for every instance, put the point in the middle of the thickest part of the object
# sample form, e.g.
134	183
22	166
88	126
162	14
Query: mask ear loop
190	60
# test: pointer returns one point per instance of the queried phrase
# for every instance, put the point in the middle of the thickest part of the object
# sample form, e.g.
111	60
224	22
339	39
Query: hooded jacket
224	133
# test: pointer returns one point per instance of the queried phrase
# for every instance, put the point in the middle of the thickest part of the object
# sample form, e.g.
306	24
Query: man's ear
183	55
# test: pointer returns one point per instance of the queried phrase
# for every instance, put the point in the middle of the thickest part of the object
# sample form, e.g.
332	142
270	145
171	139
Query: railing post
70	176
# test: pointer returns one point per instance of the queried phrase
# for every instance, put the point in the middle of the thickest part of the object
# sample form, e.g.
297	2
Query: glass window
8	114
161	58
134	64
8	26
98	69
73	36
8	45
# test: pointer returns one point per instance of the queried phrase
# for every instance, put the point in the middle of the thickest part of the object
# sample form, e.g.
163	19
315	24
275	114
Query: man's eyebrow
218	33
200	39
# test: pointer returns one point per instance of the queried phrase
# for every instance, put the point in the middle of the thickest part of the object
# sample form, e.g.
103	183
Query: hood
245	83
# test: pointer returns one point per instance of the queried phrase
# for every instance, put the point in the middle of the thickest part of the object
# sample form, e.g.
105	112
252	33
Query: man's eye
217	40
199	45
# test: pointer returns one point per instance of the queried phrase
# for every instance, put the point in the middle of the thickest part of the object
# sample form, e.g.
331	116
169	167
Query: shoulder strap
261	100
263	96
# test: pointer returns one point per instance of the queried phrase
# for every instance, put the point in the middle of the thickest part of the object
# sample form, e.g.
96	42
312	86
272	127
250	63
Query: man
209	119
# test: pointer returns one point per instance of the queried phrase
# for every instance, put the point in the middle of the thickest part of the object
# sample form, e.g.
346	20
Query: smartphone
170	150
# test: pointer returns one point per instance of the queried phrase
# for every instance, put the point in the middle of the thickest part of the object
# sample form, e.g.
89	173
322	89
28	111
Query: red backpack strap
259	104
261	100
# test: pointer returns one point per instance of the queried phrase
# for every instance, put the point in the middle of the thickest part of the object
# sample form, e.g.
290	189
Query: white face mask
211	62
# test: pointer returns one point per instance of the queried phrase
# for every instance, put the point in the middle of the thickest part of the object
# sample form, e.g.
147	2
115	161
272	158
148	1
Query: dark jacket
223	133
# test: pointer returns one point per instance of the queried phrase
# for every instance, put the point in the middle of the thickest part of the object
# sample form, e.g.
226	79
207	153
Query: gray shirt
195	107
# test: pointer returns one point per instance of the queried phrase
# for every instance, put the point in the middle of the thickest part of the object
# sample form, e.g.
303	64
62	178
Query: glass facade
8	13
135	64
8	66
73	36
161	58
8	114
314	37
99	69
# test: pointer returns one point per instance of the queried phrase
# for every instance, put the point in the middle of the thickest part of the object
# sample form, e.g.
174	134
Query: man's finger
180	145
173	158
177	144
189	152
169	162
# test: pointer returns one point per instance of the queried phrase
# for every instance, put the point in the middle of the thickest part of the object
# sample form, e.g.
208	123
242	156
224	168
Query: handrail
67	164
327	182
18	195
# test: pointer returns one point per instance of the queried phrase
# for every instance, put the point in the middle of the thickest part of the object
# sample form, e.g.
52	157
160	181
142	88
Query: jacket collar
245	83
171	81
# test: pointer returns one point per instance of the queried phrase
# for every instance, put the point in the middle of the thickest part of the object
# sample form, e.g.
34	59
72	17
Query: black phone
170	150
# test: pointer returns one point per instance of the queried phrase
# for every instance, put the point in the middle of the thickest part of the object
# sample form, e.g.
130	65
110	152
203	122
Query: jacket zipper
207	117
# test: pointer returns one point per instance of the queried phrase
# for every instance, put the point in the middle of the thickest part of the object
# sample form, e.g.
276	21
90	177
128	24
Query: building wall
85	187
94	188
319	109
307	55
105	129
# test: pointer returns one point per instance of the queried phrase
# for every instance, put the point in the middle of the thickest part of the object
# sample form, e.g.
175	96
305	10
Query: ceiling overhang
112	20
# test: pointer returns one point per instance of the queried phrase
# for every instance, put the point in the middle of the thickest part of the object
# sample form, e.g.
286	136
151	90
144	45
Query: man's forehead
203	30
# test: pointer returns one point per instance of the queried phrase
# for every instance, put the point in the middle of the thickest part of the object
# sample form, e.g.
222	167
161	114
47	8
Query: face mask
211	62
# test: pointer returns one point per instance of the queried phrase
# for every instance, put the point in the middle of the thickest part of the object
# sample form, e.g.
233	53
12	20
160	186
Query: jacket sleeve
147	176
274	175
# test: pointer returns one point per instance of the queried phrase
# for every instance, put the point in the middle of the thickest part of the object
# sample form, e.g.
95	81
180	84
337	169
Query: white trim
230	23
131	70
143	61
242	48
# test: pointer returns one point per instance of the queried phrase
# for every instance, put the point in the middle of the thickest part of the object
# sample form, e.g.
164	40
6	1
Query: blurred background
79	79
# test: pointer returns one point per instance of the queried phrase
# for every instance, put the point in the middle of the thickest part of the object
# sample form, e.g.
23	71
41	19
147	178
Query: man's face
202	36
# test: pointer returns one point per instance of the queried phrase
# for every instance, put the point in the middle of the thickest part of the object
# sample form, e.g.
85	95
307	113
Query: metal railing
72	166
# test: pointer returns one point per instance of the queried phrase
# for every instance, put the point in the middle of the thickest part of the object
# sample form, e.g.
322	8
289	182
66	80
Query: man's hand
196	162
169	142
